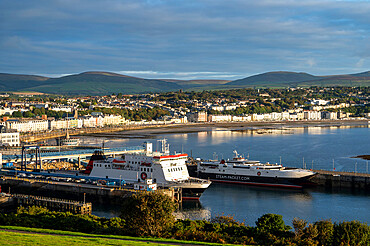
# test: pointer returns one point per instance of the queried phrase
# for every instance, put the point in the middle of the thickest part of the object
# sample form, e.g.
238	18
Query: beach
231	126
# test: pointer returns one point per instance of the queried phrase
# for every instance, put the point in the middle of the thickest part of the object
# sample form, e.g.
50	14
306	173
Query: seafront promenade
188	127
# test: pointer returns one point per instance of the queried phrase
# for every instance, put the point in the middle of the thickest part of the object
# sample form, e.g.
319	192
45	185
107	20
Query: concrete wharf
55	204
334	179
78	191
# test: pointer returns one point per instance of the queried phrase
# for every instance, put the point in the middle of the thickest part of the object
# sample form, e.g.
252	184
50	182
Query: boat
68	141
243	171
165	169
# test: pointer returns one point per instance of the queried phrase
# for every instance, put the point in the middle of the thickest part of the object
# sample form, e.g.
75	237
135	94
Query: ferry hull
292	183
192	193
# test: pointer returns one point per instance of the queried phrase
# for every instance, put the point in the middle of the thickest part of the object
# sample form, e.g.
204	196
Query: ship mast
165	146
67	133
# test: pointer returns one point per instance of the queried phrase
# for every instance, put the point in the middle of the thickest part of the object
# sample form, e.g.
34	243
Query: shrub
148	214
351	233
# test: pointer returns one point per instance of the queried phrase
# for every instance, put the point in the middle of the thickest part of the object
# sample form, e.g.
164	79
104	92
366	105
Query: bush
148	214
351	233
325	232
272	223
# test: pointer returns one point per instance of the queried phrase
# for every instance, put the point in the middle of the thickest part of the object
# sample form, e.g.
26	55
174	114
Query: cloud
311	62
238	36
360	63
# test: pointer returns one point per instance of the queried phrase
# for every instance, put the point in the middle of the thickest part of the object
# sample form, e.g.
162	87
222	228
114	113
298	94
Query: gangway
38	162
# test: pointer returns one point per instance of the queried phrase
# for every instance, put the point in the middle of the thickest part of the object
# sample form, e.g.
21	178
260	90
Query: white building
312	115
89	121
319	102
109	120
7	111
9	139
62	108
64	124
241	118
219	118
28	126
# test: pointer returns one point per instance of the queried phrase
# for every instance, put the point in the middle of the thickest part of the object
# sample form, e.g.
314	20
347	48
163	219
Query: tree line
151	214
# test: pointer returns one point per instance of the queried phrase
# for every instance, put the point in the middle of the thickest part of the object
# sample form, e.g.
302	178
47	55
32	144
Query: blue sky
184	39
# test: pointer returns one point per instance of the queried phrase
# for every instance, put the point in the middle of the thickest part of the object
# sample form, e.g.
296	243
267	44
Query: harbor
329	183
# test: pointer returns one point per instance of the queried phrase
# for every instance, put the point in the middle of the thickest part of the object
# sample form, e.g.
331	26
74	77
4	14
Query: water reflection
307	144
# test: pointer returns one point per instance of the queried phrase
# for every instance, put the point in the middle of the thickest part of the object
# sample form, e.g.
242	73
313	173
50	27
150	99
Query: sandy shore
241	126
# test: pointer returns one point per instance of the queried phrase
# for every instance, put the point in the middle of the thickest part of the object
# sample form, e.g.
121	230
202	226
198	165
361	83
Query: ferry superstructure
243	171
165	169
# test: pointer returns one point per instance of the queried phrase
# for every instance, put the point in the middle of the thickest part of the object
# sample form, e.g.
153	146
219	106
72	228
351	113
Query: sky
184	39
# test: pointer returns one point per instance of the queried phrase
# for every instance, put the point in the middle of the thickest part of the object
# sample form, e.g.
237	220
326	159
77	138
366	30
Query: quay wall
91	193
333	179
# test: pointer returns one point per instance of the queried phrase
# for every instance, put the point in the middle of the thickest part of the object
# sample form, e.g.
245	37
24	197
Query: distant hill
358	79
14	82
274	78
287	79
364	74
197	82
93	83
103	83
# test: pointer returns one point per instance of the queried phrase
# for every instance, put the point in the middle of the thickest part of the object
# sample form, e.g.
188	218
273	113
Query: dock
334	179
54	204
78	191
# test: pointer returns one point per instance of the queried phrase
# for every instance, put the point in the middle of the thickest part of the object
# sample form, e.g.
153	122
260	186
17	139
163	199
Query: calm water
315	147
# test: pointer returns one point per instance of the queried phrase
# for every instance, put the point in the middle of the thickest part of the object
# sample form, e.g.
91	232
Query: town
25	113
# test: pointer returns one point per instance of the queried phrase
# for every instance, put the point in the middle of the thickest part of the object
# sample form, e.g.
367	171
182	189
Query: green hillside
102	83
360	79
14	82
93	83
273	78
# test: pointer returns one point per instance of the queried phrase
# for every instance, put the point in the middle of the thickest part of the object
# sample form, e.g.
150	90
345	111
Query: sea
324	148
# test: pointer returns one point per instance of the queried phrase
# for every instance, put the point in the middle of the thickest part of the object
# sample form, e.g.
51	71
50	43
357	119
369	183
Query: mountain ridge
101	82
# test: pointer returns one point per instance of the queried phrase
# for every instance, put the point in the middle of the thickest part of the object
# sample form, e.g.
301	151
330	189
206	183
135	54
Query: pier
333	179
78	191
54	204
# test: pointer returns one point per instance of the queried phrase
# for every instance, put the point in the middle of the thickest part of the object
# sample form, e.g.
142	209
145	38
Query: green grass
57	237
24	238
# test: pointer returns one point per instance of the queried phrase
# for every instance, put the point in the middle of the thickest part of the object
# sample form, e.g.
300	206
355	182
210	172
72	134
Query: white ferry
163	168
243	171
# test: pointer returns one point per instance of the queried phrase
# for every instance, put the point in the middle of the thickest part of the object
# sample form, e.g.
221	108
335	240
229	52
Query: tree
17	114
28	114
351	233
272	223
299	225
148	214
325	232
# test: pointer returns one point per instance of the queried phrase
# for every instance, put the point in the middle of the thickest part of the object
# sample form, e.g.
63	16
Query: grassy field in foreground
36	236
24	238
